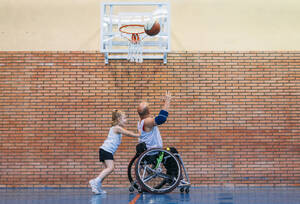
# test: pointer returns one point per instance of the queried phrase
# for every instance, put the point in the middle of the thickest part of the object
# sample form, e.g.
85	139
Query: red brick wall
235	119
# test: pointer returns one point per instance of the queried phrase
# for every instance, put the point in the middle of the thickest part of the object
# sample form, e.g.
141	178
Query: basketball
152	28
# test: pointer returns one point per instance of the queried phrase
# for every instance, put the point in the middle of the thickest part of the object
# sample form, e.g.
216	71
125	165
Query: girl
109	147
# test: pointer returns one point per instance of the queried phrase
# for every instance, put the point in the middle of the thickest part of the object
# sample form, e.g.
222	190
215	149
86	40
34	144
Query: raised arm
167	98
162	116
123	131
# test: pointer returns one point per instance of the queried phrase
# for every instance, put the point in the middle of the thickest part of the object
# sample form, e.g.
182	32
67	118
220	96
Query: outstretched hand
168	97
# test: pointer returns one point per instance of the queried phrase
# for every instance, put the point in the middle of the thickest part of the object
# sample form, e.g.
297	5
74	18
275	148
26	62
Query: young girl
109	147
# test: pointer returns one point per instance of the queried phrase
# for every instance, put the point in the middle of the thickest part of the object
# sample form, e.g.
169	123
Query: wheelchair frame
183	182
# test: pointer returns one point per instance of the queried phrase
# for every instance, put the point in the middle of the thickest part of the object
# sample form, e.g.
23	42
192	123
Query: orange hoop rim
131	25
135	38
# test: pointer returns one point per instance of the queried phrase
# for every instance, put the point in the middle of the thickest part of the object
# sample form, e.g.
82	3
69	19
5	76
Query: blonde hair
115	117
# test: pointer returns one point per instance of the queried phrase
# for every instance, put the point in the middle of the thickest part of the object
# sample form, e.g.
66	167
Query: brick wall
235	119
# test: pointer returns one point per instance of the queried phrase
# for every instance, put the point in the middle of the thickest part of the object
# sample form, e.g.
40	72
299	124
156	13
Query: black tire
131	189
129	172
187	190
181	190
145	166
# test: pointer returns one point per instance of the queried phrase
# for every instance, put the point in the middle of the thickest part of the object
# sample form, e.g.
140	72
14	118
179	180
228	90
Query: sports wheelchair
157	171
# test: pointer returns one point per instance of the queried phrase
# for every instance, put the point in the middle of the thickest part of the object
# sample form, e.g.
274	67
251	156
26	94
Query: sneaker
94	186
99	188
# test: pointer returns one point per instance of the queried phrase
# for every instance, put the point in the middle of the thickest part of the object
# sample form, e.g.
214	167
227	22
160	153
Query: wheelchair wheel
158	171
187	190
131	189
131	174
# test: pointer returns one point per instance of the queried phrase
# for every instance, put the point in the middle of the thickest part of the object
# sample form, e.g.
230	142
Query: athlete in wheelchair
157	170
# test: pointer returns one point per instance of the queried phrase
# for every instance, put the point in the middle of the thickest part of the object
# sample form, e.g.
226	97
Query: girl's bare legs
109	167
96	184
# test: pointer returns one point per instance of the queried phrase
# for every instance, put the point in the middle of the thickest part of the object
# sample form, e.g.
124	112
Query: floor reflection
202	195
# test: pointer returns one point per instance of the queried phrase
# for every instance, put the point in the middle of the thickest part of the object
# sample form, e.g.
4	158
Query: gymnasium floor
205	195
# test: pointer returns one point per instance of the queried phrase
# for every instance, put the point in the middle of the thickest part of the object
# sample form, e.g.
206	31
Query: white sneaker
93	185
100	190
96	189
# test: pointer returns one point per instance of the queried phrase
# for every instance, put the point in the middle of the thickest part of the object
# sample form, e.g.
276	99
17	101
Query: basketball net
135	43
135	49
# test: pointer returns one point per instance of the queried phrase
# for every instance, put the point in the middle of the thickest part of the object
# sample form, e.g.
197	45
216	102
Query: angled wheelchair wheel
158	171
131	175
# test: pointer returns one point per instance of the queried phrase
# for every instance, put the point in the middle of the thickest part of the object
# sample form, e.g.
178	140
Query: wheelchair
157	171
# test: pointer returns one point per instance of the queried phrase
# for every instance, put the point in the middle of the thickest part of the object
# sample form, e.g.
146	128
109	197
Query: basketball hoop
135	43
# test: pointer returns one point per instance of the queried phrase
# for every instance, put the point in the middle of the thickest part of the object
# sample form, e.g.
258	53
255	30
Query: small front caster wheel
187	190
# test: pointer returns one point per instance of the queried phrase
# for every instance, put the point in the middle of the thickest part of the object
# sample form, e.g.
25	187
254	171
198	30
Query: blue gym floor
205	195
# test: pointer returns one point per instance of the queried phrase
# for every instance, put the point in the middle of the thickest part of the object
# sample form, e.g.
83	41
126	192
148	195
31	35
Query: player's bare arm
123	131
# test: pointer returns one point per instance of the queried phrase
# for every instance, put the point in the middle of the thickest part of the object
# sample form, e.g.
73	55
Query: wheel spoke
162	175
144	172
149	178
150	169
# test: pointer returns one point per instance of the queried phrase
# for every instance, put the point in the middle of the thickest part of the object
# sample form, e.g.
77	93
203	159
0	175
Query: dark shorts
104	155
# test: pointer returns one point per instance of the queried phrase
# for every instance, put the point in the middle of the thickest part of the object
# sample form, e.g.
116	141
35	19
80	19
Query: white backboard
114	15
